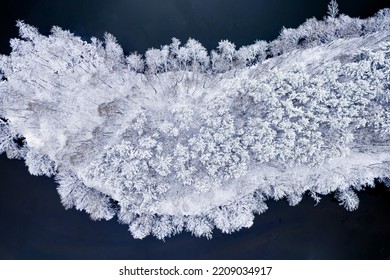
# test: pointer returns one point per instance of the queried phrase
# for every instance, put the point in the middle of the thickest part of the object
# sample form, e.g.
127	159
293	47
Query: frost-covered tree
222	59
333	9
180	140
252	54
135	63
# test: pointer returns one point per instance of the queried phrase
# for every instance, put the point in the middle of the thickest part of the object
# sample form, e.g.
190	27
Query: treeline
192	56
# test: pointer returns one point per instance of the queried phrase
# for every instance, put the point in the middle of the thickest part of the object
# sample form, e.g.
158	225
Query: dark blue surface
34	225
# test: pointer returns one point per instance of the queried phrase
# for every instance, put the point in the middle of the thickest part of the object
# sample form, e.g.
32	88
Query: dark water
34	225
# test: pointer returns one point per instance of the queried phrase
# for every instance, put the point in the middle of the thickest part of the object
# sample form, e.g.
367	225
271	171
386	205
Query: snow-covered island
182	139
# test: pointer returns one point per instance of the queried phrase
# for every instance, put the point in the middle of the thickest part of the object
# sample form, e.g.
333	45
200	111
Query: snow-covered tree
222	59
135	63
333	9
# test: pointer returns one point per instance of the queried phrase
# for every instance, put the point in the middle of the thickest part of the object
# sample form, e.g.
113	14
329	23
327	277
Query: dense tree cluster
180	139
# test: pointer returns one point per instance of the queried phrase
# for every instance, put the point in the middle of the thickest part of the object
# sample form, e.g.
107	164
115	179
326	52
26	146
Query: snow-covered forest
183	139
